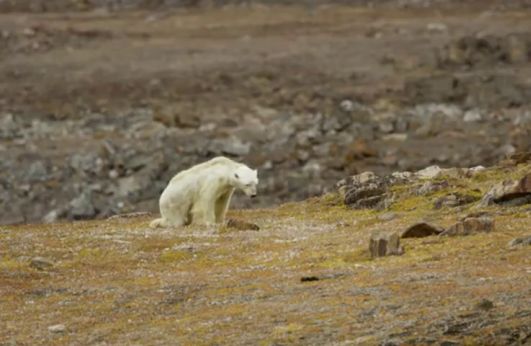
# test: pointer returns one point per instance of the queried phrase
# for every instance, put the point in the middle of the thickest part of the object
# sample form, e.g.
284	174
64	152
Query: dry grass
119	282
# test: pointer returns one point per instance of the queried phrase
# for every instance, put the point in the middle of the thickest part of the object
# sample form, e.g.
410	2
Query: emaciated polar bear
201	194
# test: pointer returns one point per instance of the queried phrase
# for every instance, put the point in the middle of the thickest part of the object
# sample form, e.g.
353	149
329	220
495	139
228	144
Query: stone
357	150
470	225
8	126
421	229
430	187
365	196
37	171
509	193
363	178
81	207
385	244
41	263
235	147
454	200
485	304
242	225
57	328
429	172
473	115
347	105
522	241
437	27
84	162
386	127
52	216
474	170
387	216
402	176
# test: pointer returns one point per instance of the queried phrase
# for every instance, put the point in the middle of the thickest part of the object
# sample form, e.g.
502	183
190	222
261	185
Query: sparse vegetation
120	282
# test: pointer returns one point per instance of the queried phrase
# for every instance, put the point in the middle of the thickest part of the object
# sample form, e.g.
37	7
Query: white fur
201	194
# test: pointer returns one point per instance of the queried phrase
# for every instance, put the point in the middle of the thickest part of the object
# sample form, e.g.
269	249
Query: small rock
242	225
506	150
485	304
402	176
41	263
395	137
58	328
473	115
474	170
347	105
470	225
309	278
82	207
385	244
36	171
454	200
52	216
429	172
437	27
522	241
430	187
420	230
387	216
363	178
129	215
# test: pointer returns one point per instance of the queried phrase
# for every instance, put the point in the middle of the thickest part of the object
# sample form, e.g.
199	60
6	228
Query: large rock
385	244
367	190
522	241
470	225
509	192
82	207
421	229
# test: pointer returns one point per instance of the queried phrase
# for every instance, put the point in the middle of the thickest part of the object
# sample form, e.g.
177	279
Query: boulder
470	225
385	244
420	230
509	192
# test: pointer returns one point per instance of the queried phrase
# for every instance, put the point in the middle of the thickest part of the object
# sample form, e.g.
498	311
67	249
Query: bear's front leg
222	205
203	212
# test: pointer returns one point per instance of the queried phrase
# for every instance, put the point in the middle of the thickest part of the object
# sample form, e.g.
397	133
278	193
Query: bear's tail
160	222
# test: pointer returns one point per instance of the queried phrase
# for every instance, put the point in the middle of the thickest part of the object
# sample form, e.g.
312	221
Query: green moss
171	256
7	263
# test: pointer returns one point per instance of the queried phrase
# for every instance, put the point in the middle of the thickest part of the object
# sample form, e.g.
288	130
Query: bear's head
246	179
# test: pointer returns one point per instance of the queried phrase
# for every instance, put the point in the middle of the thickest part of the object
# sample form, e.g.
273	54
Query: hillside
305	278
100	108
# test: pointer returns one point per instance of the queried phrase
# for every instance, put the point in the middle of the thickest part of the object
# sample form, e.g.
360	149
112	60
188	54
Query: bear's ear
236	176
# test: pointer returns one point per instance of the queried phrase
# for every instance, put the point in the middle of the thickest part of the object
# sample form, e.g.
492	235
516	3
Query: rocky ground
100	108
305	277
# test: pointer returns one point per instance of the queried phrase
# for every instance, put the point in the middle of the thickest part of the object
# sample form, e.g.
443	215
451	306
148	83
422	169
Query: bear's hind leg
172	215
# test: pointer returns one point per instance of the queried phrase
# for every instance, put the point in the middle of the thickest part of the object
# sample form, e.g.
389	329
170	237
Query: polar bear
201	194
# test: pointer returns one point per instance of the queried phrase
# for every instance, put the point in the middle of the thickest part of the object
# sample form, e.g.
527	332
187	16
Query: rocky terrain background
99	108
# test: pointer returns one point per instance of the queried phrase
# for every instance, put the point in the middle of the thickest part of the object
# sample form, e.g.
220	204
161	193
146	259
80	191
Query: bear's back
206	166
